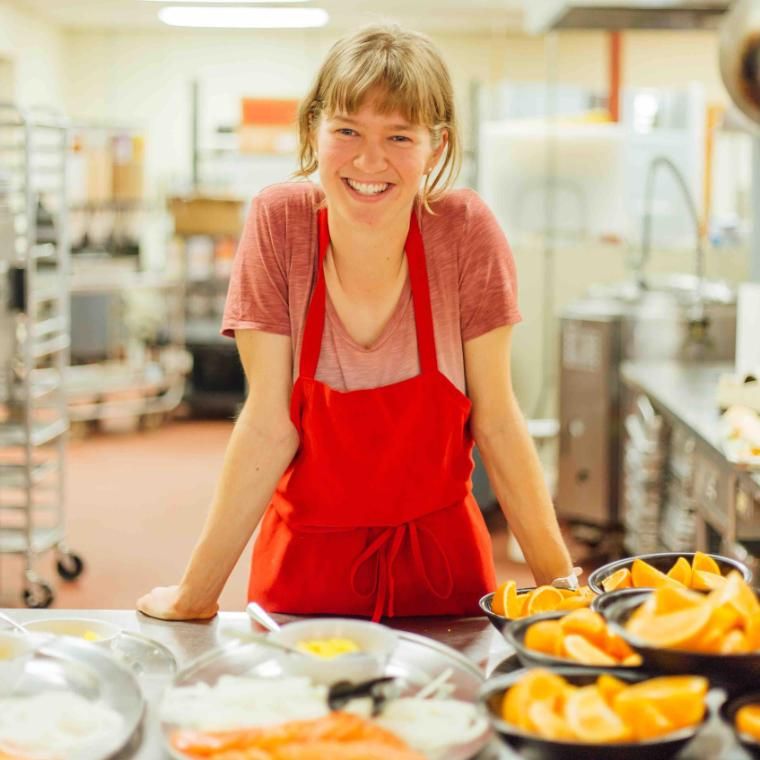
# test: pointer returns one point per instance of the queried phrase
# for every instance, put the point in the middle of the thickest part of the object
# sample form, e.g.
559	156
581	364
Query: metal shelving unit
34	344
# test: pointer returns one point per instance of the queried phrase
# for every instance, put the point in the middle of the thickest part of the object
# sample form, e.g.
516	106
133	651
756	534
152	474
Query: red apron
375	514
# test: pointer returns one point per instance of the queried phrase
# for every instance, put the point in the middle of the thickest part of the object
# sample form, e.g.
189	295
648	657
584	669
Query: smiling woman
373	316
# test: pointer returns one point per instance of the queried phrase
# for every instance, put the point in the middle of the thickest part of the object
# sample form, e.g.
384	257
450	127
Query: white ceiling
429	15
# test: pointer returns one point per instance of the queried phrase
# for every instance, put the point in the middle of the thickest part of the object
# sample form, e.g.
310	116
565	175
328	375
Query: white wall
34	48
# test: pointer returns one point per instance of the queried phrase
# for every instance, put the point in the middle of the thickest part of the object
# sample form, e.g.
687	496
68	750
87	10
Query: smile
368	188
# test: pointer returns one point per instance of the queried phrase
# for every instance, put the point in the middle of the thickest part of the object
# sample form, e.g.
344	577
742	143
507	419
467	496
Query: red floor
136	503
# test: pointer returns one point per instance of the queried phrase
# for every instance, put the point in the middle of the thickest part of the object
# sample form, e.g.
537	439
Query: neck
366	252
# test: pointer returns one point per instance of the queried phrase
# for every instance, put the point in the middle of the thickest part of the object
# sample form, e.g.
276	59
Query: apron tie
386	547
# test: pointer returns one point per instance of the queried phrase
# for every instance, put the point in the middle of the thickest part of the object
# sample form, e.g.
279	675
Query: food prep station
473	638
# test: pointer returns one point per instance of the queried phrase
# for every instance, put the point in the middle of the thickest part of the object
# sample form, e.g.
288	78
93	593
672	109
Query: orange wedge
681	571
643	575
609	686
748	720
542	599
619	579
587	623
722	620
581	650
675	630
537	685
574	602
752	630
673	598
499	598
681	699
703	580
705	562
544	721
735	642
644	719
617	646
545	636
591	719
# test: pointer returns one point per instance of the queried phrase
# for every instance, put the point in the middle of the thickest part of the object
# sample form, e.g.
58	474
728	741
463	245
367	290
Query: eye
345	131
400	138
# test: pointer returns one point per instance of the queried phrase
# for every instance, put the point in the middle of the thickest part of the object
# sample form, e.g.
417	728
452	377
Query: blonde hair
409	76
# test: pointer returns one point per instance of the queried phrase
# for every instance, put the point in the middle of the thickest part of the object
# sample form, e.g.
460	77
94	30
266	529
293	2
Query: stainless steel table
473	637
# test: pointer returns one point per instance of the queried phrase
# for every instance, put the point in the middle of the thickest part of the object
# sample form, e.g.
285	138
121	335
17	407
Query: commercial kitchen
617	146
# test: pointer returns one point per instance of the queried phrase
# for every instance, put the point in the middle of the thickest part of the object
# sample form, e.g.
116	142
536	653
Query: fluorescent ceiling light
226	2
244	18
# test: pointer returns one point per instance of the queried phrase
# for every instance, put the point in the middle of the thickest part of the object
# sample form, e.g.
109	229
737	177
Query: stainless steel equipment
612	324
33	415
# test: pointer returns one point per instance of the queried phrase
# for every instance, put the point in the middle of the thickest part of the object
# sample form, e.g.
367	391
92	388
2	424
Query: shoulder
291	198
458	209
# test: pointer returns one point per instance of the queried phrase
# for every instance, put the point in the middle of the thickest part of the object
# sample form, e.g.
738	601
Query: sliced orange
739	595
632	661
619	579
499	597
617	646
681	571
676	629
643	575
544	721
705	562
748	720
722	620
673	598
581	650
643	718
537	685
545	636
752	631
591	719
703	580
681	699
735	642
587	623
609	686
574	602
542	599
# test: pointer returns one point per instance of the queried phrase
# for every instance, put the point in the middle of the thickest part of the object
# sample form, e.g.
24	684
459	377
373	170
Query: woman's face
371	164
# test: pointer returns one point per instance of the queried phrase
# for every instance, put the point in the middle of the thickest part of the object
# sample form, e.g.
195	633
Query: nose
371	158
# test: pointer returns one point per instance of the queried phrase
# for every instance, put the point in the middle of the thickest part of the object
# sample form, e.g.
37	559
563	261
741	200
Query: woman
373	316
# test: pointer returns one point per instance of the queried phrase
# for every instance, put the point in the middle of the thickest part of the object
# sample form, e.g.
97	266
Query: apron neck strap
423	315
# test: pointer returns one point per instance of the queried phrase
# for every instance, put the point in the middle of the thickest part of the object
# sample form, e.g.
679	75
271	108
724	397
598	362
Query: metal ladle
259	615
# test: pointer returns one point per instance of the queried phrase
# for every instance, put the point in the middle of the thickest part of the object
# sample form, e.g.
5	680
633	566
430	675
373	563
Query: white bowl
15	651
96	631
376	644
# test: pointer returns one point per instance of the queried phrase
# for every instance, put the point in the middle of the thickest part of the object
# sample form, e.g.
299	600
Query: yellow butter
91	636
328	648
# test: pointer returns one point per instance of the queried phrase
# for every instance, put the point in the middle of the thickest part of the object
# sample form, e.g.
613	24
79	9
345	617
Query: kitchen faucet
698	322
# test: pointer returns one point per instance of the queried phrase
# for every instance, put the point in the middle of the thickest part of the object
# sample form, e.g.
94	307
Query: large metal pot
740	56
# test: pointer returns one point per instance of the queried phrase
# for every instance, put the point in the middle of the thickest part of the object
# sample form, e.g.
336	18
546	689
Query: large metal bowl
662	561
728	712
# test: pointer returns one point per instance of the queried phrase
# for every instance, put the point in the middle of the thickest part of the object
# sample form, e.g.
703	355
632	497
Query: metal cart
34	344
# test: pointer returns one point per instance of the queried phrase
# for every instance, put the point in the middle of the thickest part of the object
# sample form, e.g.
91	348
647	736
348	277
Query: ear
438	151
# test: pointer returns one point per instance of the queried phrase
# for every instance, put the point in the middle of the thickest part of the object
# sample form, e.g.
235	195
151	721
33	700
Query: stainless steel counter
687	392
473	637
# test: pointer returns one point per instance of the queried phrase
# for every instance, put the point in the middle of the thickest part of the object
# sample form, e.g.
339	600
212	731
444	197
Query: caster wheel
38	595
69	566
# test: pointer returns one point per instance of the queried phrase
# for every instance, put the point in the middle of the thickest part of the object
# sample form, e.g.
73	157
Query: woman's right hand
169	603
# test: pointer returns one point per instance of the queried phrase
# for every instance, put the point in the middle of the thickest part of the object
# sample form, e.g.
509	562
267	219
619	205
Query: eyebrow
402	126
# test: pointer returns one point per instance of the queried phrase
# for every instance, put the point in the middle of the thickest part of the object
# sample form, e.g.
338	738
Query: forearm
516	476
255	459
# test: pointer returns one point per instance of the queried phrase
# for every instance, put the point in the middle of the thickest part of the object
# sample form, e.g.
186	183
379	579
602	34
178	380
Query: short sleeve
487	273
257	297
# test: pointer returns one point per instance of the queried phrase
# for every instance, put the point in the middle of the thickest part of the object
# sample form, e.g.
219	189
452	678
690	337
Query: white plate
415	661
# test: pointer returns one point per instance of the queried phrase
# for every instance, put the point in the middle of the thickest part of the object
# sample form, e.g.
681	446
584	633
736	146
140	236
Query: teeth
365	188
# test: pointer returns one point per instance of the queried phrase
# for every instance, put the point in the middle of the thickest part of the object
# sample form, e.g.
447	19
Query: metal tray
67	664
415	661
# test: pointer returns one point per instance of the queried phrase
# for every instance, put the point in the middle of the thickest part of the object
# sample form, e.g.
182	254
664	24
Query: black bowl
733	672
537	748
515	635
499	621
728	712
663	561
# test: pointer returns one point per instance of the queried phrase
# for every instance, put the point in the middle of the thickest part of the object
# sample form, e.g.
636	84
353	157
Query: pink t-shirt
473	287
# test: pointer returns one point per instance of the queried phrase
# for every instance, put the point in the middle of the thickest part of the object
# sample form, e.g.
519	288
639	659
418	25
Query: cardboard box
207	215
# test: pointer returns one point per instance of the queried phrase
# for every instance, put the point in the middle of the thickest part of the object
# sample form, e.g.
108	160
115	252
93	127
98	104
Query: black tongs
379	690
